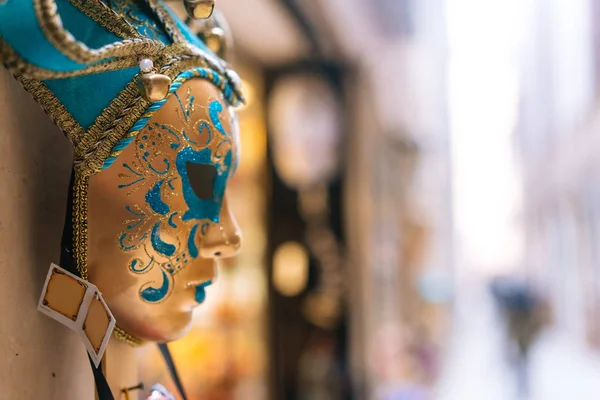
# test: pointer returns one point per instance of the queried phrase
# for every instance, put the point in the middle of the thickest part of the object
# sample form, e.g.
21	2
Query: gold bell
216	40
199	9
215	32
154	87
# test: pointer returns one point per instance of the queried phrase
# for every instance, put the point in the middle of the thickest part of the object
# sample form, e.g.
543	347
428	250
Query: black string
166	353
102	388
67	261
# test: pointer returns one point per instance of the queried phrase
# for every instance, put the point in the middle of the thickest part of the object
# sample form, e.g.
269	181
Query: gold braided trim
126	337
19	67
91	147
80	241
54	108
107	18
109	122
116	120
51	24
167	20
80	218
177	36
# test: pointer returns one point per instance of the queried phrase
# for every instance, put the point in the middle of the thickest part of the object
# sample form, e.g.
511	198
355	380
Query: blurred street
563	369
477	365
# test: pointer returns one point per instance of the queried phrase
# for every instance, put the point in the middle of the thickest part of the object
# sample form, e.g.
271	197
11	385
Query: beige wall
40	359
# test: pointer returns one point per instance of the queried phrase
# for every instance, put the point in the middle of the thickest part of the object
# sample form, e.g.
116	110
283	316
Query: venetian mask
155	145
158	218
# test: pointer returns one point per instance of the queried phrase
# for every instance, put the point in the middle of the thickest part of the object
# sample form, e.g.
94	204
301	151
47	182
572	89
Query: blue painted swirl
134	266
154	200
161	247
154	295
215	108
192	243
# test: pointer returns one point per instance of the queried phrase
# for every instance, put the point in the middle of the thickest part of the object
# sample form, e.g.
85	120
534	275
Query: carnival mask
149	110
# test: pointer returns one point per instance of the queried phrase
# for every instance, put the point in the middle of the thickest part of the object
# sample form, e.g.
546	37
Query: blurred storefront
399	199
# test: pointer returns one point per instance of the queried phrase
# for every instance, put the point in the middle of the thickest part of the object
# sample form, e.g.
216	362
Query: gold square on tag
64	294
78	305
97	323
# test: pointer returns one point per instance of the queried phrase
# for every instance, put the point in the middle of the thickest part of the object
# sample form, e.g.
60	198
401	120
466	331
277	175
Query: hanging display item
149	110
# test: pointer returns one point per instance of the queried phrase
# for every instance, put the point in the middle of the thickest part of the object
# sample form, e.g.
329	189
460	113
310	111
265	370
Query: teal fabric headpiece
80	60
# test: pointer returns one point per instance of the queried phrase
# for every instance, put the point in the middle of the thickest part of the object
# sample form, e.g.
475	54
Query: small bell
154	87
215	32
215	40
199	9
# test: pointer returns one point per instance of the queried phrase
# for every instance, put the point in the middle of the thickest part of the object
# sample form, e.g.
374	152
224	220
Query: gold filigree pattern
128	10
163	154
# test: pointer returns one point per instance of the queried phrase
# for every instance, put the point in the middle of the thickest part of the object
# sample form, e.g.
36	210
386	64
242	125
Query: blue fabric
82	27
20	29
86	96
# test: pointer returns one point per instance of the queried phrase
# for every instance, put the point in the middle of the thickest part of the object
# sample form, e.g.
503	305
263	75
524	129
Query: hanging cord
166	353
67	261
102	388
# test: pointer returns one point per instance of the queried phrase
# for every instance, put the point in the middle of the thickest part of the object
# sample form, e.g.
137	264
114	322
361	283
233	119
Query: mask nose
224	239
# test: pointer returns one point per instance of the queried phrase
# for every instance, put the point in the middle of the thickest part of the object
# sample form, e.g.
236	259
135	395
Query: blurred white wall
558	144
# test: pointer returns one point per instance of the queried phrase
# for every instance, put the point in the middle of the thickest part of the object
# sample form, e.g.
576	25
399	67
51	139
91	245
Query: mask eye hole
202	179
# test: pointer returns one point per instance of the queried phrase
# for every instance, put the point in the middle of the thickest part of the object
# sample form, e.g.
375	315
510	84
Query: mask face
158	217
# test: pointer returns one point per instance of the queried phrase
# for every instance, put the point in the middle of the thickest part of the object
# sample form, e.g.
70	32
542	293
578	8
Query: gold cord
54	108
80	242
80	237
107	18
126	337
51	24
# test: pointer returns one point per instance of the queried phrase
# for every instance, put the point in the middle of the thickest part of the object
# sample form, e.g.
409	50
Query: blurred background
420	199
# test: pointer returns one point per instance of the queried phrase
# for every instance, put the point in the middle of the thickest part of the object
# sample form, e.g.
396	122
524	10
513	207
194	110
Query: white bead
146	65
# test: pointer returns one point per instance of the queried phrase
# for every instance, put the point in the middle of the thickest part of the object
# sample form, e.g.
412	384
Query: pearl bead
146	65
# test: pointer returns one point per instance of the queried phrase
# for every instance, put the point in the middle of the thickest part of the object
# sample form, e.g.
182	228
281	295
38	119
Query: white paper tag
79	305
